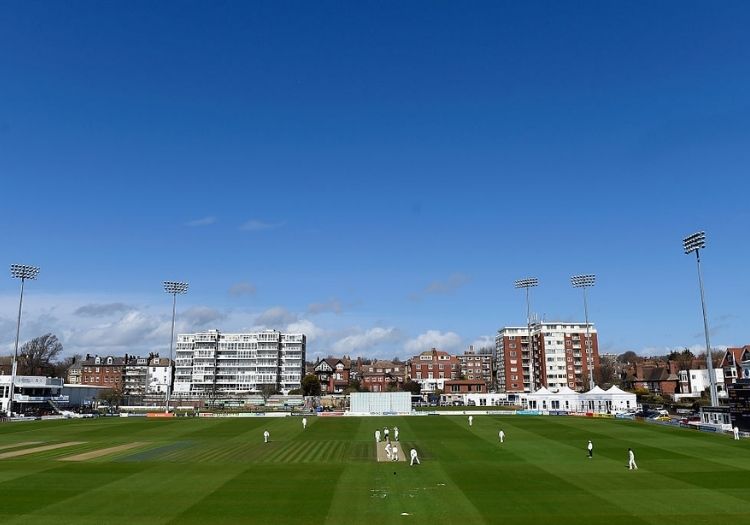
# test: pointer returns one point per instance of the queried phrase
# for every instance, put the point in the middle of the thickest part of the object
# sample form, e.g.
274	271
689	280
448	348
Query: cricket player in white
395	433
501	435
388	450
631	460
304	423
266	435
471	420
736	432
394	453
377	436
386	432
414	458
590	448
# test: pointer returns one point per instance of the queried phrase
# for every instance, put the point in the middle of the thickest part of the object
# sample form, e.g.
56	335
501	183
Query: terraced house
103	371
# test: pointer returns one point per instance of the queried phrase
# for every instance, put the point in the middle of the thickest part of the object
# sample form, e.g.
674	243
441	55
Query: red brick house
103	371
333	375
731	363
431	369
660	377
380	376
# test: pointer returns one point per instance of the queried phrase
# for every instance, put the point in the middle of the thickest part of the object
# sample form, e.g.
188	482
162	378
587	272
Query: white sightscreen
380	402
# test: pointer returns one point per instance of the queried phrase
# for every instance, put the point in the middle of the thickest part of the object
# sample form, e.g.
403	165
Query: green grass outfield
212	471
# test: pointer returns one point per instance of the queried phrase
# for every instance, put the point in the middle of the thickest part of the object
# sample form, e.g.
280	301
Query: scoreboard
739	404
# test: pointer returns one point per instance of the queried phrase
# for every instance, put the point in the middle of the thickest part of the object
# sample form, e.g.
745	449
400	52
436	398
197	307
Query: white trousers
414	459
632	465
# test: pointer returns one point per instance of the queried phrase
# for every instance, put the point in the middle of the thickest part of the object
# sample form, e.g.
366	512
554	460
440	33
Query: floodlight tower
23	272
586	281
527	283
694	243
174	288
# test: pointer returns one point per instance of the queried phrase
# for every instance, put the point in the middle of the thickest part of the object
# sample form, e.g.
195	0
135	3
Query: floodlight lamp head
529	282
175	287
694	242
583	281
24	271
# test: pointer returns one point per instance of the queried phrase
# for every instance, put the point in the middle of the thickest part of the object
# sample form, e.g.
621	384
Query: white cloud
483	341
242	288
360	342
205	221
200	316
307	327
448	341
135	329
276	317
255	225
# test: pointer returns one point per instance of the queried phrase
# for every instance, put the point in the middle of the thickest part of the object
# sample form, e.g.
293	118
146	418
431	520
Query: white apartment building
557	357
214	363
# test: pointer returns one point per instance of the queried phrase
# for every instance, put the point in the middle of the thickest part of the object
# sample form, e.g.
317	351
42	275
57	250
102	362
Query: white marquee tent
595	400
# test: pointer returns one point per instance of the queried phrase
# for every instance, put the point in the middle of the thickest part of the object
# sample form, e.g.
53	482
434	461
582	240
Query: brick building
380	376
657	376
103	371
333	374
555	356
731	363
478	365
432	368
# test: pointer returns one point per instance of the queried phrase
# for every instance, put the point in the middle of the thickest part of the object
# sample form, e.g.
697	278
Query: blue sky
376	174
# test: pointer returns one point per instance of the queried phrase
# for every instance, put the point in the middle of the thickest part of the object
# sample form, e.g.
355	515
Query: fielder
394	453
501	435
631	460
471	420
414	458
266	435
590	448
386	432
377	436
304	423
388	450
736	432
395	433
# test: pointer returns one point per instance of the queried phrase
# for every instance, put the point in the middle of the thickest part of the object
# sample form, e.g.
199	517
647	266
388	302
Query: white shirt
591	446
413	453
631	455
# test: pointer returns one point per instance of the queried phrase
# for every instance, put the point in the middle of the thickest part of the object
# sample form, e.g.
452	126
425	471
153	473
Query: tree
112	396
683	359
413	387
36	357
606	374
629	357
61	367
355	385
295	392
268	390
310	385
